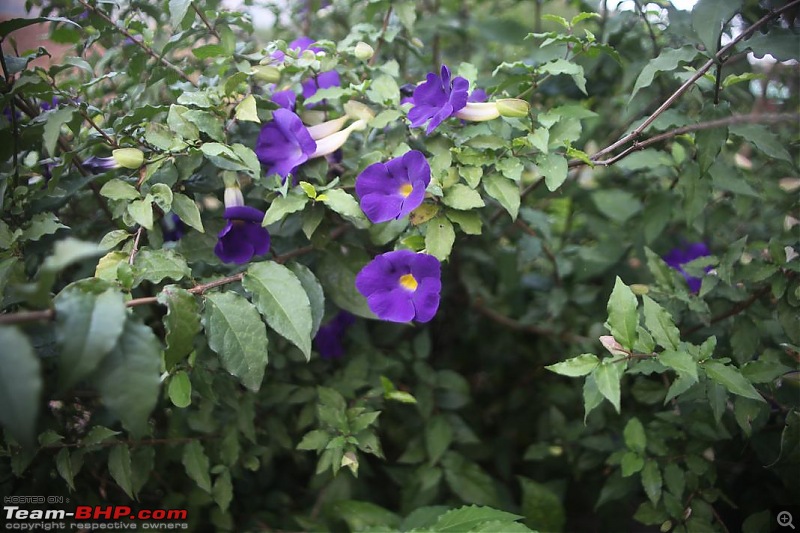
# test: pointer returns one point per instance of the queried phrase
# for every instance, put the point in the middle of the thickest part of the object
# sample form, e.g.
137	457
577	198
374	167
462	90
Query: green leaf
439	237
635	438
222	491
469	481
679	361
541	506
708	16
187	211
469	221
730	378
207	123
141	211
182	323
155	265
674	479
384	91
180	389
616	204
20	386
660	324
554	169
363	516
113	238
591	396
11	25
246	110
577	366
668	60
337	273
623	317
562	66
504	191
97	435
466	518
236	333
161	137
345	205
89	321
177	10
52	128
780	43
41	224
162	196
608	376
438	437
282	301
284	205
763	139
128	378
119	466
461	197
68	465
313	289
651	481
316	439
179	123
210	50
195	461
631	463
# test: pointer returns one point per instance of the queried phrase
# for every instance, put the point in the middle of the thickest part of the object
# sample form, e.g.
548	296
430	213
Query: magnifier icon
785	519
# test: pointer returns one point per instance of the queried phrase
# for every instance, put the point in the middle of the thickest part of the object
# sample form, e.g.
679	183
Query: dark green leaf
119	466
730	378
542	508
182	323
20	385
195	461
623	317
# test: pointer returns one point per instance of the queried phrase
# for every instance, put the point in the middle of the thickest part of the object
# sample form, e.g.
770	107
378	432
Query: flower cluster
323	80
686	253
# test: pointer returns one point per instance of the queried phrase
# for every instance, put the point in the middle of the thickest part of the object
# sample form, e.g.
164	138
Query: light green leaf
562	66
41	224
113	238
316	439
282	301
284	205
554	169
313	289
577	366
469	221
384	91
206	122
635	438
591	396
142	211
460	196
616	204
90	318
651	480
631	463
177	10
182	323
668	60
439	237
68	465
730	378
504	191
187	211
119	466
69	251
97	435
623	317
222	491
363	516
128	378
608	376
20	385
246	110
237	334
660	324
52	128
162	196
180	389
155	265
195	461
179	123
345	205
681	362
468	517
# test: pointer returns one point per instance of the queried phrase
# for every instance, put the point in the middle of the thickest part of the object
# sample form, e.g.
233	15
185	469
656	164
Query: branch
135	248
718	58
512	324
140	44
771	118
735	310
199	11
378	44
656	48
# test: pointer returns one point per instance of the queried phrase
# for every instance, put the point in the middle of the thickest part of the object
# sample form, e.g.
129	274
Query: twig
199	11
770	118
510	323
735	310
97	128
656	48
378	44
135	248
718	58
141	44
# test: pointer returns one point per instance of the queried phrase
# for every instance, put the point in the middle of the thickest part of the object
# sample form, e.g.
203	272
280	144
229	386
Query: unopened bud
356	110
233	197
513	107
128	157
363	51
639	289
266	73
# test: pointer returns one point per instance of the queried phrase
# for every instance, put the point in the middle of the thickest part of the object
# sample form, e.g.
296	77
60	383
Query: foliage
569	373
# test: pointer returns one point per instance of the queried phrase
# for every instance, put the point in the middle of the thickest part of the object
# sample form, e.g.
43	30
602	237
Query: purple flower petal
437	99
285	99
393	189
243	236
686	253
401	286
323	80
284	143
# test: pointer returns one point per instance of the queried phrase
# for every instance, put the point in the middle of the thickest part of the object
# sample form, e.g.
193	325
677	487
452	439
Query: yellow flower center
408	282
405	190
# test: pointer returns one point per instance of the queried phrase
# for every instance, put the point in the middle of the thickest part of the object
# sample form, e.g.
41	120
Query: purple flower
328	340
172	227
285	99
243	236
677	257
437	99
97	165
393	189
47	106
478	95
284	143
322	80
401	286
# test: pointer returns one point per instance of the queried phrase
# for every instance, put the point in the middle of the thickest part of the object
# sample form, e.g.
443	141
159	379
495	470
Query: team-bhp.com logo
93	517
